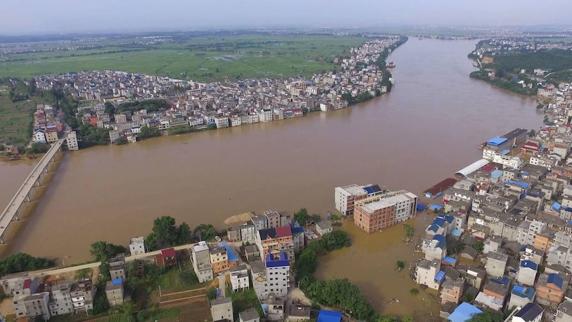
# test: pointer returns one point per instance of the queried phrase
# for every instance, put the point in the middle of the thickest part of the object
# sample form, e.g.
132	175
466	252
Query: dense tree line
552	60
148	132
89	136
21	262
166	233
303	218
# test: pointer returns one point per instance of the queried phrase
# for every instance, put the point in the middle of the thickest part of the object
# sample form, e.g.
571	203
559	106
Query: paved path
70	269
19	198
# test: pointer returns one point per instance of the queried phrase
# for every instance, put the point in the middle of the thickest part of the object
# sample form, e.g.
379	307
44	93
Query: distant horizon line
567	28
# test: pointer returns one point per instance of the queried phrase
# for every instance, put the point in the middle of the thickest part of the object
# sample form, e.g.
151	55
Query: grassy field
204	58
15	118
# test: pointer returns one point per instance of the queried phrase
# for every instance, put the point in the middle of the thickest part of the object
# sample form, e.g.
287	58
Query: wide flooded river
430	126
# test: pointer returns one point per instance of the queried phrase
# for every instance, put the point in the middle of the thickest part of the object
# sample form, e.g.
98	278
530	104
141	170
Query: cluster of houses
257	254
219	105
268	242
502	239
36	297
49	126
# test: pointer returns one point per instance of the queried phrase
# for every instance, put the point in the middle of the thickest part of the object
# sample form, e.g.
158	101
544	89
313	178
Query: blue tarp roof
456	232
117	281
449	260
496	174
329	316
523	291
232	257
421	207
464	312
497	140
556	206
440	276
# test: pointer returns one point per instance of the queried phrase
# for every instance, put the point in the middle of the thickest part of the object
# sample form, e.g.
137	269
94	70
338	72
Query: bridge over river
24	194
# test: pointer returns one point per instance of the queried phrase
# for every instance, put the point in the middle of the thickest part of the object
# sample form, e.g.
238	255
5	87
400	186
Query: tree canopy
166	233
21	262
102	251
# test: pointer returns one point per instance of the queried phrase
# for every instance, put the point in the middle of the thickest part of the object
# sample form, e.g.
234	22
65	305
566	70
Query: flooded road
429	127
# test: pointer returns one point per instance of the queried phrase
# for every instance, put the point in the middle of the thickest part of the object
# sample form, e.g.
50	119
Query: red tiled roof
284	231
168	252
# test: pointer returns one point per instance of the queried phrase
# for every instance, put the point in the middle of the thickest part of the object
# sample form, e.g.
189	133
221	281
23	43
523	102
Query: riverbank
503	84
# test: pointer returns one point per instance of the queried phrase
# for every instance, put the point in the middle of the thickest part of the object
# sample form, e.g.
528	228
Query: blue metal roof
117	281
372	189
271	261
439	221
555	279
530	312
329	316
496	141
501	280
464	312
297	230
441	241
520	184
529	264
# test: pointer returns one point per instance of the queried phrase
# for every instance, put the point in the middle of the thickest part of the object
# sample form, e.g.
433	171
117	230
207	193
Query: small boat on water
391	65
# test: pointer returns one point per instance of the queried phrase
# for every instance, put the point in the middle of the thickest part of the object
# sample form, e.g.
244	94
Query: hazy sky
70	16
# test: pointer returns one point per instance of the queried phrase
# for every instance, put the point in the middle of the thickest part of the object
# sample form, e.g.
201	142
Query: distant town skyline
68	16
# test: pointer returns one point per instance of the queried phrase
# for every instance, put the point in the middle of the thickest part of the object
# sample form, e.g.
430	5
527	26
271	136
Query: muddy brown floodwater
430	126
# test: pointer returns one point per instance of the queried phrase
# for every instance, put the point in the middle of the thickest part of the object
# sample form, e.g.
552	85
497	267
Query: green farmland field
204	58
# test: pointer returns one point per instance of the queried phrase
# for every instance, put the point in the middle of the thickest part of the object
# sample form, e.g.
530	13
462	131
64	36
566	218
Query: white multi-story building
345	196
239	278
265	115
271	277
426	272
137	246
202	262
71	141
61	302
221	122
39	137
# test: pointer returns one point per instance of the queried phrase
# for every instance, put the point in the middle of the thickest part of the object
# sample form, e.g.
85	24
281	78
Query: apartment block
346	196
385	210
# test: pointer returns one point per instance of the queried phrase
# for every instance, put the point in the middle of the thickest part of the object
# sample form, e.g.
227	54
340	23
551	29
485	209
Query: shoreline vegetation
88	135
522	66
